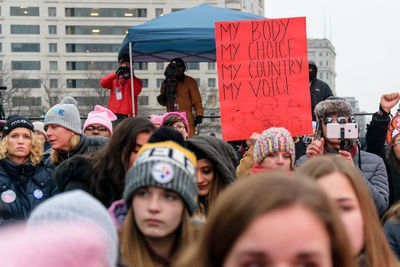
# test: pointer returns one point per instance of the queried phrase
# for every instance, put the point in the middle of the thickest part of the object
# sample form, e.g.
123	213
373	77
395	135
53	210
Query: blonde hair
136	252
55	154
377	250
36	150
248	199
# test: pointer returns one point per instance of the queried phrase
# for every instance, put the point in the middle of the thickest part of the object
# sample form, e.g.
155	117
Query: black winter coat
23	187
375	139
319	91
86	145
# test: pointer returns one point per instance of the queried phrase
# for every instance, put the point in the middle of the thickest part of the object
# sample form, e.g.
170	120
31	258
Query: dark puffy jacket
23	187
86	145
319	91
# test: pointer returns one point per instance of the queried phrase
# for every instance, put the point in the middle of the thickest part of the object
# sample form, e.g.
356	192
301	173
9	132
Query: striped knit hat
166	165
271	140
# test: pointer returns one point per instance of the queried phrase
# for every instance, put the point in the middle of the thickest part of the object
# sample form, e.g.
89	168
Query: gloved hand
124	71
198	119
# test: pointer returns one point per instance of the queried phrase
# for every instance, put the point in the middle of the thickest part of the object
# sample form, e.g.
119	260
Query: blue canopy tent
188	34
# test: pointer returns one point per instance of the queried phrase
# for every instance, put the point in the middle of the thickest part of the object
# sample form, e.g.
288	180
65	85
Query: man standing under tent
179	92
119	82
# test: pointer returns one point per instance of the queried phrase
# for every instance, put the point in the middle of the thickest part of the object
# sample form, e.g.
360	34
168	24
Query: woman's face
141	139
59	137
278	160
40	136
157	211
205	176
19	144
339	189
180	127
290	237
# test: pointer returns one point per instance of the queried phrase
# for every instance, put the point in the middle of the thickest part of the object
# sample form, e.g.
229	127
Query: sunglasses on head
340	120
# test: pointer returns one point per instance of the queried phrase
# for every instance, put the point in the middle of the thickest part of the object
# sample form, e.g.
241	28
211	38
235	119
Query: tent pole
132	86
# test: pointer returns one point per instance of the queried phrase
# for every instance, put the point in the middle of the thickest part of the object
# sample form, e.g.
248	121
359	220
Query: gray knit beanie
331	106
65	114
79	207
166	165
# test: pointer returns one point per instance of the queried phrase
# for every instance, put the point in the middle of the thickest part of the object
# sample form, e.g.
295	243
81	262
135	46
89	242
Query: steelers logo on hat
162	172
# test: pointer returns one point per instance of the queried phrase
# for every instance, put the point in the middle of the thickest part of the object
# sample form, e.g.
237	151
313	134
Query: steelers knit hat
166	165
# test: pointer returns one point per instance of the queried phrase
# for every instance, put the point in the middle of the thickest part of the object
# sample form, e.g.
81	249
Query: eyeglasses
340	120
100	129
179	127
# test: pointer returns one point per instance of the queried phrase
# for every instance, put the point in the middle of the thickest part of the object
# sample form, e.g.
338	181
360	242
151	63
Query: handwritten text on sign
263	76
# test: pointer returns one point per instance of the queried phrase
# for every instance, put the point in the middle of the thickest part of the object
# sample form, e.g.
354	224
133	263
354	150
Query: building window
92	48
52	47
52	12
320	54
1	65
311	54
193	65
25	29
106	12
198	81
321	75
1	47
159	82
327	62
140	65
24	11
160	65
327	53
143	100
25	65
96	30
1	82
53	83
92	65
53	65
27	101
25	83
145	83
52	29
159	12
25	47
176	9
327	75
82	83
321	63
0	28
212	82
88	100
211	65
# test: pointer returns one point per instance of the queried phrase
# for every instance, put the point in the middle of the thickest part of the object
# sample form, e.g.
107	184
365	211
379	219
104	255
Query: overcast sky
366	37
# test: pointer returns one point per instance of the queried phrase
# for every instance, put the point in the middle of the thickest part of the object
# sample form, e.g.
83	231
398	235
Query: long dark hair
108	178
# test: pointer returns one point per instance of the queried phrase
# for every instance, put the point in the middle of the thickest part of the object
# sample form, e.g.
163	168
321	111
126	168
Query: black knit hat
16	121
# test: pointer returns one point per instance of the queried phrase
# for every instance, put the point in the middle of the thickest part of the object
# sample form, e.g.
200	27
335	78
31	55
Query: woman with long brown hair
160	194
344	185
216	163
102	173
271	219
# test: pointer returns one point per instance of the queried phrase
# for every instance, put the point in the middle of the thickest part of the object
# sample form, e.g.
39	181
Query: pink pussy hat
180	114
156	119
100	115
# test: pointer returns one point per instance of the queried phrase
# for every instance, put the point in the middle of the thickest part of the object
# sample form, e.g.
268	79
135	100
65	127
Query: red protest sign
263	76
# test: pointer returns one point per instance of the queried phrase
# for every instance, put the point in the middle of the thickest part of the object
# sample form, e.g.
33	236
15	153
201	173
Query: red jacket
124	105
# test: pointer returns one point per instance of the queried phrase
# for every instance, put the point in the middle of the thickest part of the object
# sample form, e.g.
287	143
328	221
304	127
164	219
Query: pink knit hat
75	245
100	115
180	114
156	119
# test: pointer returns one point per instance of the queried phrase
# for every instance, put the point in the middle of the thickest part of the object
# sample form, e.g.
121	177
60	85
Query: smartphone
333	130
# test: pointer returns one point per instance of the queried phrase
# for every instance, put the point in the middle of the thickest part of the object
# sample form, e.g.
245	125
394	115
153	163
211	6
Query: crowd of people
133	191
